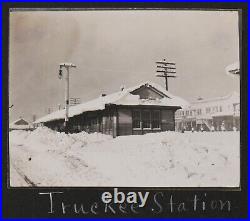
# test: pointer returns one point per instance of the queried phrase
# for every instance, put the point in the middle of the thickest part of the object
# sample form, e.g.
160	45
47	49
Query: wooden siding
57	125
124	121
116	121
167	120
107	124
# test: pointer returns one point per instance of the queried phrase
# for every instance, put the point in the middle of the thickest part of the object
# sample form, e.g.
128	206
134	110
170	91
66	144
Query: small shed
20	124
145	108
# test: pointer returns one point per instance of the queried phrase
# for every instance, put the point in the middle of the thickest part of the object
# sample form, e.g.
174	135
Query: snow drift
168	159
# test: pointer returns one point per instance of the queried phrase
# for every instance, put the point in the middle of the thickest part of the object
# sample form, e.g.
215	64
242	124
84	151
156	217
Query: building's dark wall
167	120
57	125
117	121
124	121
21	122
107	124
88	121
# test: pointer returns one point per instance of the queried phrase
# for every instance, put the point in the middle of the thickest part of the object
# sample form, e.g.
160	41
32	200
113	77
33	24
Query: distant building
20	124
220	113
146	108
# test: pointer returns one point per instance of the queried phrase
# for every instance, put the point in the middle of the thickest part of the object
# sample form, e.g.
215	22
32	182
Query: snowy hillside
169	159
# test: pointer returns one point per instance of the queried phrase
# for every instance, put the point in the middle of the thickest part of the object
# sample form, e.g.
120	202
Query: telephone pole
67	66
167	69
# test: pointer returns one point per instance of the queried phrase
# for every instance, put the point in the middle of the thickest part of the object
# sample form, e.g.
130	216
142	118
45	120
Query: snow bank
50	139
169	159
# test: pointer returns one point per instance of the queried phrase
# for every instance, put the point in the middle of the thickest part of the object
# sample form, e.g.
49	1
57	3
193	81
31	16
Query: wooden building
214	114
146	108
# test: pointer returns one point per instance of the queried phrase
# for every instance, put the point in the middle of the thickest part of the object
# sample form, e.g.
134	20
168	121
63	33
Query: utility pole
67	66
33	118
167	69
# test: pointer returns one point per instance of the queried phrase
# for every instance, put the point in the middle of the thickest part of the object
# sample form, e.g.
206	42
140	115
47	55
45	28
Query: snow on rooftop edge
234	95
233	68
119	98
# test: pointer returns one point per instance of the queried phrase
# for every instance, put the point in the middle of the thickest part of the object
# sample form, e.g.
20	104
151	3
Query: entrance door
146	121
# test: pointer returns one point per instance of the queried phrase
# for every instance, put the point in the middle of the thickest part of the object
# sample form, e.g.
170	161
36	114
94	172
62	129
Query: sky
114	48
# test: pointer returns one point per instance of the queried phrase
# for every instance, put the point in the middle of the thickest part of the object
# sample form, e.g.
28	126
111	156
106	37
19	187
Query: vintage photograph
127	98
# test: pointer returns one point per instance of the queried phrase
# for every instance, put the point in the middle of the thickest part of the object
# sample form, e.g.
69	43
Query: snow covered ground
169	159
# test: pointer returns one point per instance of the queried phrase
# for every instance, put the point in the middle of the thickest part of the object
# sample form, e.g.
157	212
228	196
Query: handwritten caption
118	202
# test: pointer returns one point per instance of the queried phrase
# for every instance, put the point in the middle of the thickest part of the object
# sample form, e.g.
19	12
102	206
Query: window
155	119
146	120
220	108
136	119
208	110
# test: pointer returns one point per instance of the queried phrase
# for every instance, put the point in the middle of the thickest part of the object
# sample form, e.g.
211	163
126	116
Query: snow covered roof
233	69
123	97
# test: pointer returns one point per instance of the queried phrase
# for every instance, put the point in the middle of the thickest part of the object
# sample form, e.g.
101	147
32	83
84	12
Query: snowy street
44	157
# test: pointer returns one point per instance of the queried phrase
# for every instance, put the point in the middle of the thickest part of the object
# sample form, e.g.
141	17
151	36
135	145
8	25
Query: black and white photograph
128	98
